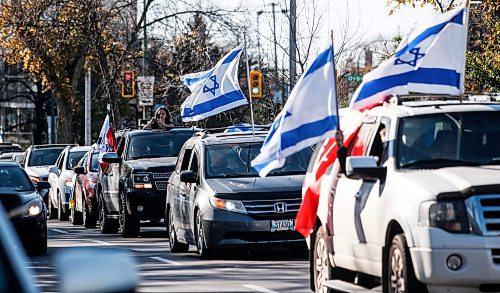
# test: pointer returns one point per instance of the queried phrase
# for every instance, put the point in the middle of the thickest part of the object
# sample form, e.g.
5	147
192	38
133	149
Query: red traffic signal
128	84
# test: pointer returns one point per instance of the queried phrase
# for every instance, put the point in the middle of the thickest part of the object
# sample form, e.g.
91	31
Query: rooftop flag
215	90
309	116
431	60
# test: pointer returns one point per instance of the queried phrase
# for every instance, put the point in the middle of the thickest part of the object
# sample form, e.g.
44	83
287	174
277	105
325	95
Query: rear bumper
150	201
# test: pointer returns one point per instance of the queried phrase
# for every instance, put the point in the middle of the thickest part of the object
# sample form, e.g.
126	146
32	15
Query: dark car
24	205
85	209
8	147
133	186
216	199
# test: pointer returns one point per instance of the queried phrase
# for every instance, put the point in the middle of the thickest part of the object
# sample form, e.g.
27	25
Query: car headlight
227	204
141	181
29	209
34	179
449	215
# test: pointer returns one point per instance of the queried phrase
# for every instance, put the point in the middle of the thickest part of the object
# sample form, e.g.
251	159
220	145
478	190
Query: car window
157	144
14	178
74	158
361	142
19	158
233	160
193	166
184	161
449	139
94	162
44	157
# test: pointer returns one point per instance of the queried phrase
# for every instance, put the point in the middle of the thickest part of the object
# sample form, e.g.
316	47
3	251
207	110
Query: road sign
145	90
358	78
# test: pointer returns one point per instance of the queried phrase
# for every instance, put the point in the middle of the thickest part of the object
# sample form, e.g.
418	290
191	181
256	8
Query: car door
78	192
54	179
114	174
346	194
177	192
188	202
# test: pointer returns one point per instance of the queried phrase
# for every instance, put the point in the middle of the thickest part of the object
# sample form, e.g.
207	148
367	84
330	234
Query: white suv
419	209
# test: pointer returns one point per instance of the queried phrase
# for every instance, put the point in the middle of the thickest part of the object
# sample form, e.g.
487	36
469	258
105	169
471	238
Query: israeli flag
213	91
309	116
430	61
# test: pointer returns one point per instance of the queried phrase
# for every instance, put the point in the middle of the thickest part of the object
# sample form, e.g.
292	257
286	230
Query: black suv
216	199
132	187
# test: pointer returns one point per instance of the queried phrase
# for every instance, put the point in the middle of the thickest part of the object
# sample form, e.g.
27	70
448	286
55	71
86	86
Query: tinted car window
440	140
233	160
155	145
12	177
44	157
73	159
94	162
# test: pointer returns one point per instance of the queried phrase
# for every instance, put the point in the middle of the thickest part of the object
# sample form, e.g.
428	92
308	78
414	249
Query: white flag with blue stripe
213	91
309	116
430	61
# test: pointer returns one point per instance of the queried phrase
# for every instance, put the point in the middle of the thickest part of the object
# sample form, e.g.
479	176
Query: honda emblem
280	207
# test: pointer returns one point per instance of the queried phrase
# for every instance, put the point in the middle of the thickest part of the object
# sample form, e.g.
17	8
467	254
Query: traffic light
255	84
128	84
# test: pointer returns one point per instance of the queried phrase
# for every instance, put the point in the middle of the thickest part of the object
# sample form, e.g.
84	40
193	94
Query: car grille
495	253
486	213
274	207
161	175
161	185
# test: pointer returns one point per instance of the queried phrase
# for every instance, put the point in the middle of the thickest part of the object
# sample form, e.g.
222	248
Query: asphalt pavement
243	270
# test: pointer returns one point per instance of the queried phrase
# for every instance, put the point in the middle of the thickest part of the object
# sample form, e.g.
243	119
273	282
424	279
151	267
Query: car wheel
75	216
89	218
106	225
401	277
201	243
175	245
52	210
61	214
129	224
321	264
40	247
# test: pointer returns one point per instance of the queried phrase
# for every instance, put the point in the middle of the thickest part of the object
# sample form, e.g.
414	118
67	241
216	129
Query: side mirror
42	185
188	177
111	157
79	170
54	170
364	168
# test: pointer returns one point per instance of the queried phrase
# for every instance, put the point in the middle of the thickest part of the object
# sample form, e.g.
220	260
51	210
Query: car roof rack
41	146
468	97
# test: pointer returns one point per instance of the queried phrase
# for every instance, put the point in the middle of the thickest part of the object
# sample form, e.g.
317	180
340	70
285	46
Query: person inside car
161	120
5	179
444	146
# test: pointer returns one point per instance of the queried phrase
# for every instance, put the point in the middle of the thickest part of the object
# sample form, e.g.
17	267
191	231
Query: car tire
201	244
52	210
75	216
106	225
89	218
174	244
40	247
129	224
400	275
61	214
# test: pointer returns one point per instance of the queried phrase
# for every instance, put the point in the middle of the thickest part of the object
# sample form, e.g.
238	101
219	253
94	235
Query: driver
5	179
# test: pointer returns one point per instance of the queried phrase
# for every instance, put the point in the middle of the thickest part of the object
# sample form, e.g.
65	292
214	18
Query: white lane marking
171	262
101	242
259	289
60	231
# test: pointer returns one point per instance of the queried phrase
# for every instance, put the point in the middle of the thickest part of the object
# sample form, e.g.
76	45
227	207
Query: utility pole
258	39
275	43
52	137
293	44
144	61
88	115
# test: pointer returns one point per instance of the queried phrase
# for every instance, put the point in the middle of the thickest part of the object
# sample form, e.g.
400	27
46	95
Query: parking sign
145	90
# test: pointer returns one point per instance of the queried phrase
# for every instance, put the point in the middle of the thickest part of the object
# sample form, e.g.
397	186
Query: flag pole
249	88
466	24
335	81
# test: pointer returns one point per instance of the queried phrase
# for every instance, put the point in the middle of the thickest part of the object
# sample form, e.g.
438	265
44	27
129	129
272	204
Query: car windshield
449	139
157	144
44	157
73	159
233	160
14	178
94	162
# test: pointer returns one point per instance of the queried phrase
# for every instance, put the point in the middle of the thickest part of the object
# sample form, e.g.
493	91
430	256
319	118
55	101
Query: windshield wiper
280	173
438	163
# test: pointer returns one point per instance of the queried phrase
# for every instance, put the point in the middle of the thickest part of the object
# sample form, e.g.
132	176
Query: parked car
8	147
215	199
60	176
417	207
37	161
132	187
85	209
24	205
9	157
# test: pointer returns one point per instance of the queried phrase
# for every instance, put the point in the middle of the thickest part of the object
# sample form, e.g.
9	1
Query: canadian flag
106	141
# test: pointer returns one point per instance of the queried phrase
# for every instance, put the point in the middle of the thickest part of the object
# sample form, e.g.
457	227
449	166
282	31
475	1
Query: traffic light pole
249	88
144	61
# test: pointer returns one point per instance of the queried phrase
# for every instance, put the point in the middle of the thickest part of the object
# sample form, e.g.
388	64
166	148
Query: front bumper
31	229
225	228
480	257
152	202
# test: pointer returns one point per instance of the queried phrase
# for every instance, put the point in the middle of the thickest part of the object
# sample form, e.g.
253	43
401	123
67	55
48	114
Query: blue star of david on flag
212	89
417	55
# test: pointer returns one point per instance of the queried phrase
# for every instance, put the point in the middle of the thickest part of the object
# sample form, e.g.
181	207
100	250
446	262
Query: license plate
282	225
